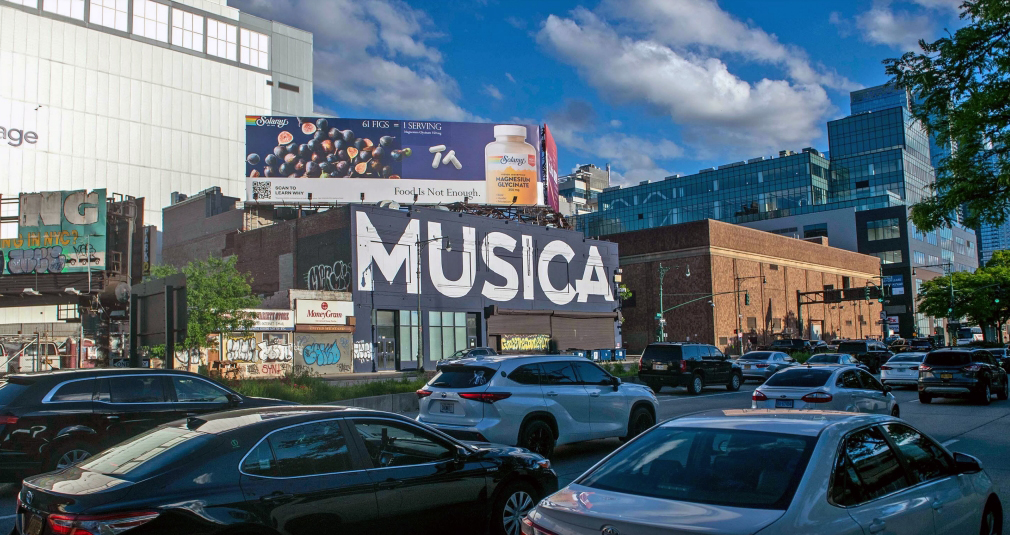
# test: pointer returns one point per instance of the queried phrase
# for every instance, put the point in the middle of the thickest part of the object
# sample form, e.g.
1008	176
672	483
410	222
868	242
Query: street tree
960	83
216	294
982	298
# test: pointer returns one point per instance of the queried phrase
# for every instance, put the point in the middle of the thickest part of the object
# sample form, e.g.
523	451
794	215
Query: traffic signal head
996	300
866	293
746	299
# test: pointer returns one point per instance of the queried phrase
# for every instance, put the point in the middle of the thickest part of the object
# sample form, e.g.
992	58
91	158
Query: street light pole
421	244
661	329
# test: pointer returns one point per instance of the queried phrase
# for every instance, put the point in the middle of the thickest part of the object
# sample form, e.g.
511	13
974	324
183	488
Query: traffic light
996	300
746	299
866	293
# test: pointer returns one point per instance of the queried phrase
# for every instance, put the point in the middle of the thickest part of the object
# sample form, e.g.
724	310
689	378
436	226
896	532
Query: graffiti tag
43	260
335	278
321	354
362	351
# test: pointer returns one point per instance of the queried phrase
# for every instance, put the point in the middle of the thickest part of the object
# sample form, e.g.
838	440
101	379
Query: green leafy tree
961	82
982	297
216	294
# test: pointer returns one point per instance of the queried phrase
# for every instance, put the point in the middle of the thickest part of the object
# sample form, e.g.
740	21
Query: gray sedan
760	365
777	473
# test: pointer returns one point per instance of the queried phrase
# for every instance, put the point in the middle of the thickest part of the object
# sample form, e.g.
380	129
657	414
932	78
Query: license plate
34	526
783	403
445	407
746	366
946	376
658	366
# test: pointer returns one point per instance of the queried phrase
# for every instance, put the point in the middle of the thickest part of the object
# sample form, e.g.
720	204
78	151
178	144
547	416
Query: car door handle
552	394
937	505
390	484
594	394
112	417
877	525
276	497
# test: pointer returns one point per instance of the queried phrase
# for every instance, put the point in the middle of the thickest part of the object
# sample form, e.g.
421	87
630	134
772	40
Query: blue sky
651	86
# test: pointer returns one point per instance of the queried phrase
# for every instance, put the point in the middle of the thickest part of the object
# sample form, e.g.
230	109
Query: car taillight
640	364
913	368
422	393
761	365
972	368
758	396
8	420
925	368
683	366
485	397
531	528
817	397
98	524
885	368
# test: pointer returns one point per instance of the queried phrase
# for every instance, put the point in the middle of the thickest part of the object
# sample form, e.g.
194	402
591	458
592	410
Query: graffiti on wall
242	348
58	231
324	262
43	260
335	278
362	351
324	353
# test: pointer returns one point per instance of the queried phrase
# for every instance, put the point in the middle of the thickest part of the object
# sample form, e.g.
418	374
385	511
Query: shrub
304	387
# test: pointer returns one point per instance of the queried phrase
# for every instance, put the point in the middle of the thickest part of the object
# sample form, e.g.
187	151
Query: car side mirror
966	464
459	459
790	359
234	400
616	382
886	389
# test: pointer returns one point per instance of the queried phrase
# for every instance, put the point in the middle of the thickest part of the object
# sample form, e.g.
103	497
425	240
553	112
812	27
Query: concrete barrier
399	403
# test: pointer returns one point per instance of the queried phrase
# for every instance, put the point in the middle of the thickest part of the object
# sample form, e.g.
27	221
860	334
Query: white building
141	97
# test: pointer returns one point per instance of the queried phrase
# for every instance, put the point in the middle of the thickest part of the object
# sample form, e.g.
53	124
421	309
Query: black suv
49	420
685	364
797	345
961	373
869	352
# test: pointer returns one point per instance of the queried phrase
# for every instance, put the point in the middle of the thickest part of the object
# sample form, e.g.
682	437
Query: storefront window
406	343
449	331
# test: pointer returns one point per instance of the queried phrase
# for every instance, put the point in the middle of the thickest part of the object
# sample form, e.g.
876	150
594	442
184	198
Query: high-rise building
141	97
580	189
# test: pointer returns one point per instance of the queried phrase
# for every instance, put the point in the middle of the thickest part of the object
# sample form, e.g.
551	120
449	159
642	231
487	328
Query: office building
579	190
140	97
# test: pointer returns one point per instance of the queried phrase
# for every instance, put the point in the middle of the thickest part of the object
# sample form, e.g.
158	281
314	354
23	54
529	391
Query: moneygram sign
325	160
58	232
314	312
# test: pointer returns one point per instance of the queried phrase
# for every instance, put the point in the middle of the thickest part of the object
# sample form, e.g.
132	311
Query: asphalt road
960	425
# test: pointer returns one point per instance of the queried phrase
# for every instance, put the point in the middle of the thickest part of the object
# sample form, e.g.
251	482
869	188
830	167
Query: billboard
310	159
57	232
551	156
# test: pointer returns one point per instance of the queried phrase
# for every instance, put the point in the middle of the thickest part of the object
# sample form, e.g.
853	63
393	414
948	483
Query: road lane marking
705	396
949	442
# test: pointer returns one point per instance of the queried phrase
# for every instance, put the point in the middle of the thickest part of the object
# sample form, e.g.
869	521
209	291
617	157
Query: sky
652	87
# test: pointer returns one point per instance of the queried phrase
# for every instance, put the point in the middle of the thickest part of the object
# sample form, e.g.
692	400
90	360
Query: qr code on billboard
261	190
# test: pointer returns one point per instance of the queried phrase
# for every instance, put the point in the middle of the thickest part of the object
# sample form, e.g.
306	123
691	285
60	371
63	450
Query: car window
906	358
132	389
558	373
310	449
259	461
757	355
663	353
869	382
75	391
397	444
193	390
715	354
924	458
149	453
984	357
849	379
852	347
457	376
527	374
800	377
866	469
823	359
948	358
10	391
592	374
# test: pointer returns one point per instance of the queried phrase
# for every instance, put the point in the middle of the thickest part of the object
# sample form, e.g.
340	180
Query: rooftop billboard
325	159
57	232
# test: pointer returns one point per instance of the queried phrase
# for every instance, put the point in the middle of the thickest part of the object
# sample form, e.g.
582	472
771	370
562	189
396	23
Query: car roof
831	355
501	359
221	422
678	344
795	422
63	375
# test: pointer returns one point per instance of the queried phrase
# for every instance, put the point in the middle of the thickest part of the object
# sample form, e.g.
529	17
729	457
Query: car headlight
543	464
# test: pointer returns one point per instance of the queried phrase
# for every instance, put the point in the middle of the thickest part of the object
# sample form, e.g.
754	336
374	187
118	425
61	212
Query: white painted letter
446	287
72	208
492	241
528	253
372	254
555	248
586	286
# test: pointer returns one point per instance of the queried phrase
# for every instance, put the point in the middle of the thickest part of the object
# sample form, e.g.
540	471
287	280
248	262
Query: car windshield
824	359
852	347
662	353
907	357
146	454
462	377
787	343
948	358
711	466
756	355
808	378
460	354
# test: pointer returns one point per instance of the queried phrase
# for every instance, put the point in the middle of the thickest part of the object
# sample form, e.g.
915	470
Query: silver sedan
825	387
760	365
777	473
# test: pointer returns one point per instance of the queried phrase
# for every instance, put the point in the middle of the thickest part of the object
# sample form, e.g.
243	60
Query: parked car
1002	356
689	365
760	365
828	388
921	344
792	345
53	419
289	471
536	402
902	369
873	353
464	353
822	359
777	473
957	372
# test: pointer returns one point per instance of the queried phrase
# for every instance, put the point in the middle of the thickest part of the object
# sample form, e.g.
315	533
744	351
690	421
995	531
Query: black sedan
289	470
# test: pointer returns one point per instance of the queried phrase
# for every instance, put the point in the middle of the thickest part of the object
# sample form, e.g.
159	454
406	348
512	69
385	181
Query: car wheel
985	394
992	519
68	454
641	420
896	412
734	382
696	384
511	505
538	437
925	399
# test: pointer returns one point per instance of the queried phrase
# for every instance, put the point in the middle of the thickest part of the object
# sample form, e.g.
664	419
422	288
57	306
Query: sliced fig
352	152
361	168
285	137
308	128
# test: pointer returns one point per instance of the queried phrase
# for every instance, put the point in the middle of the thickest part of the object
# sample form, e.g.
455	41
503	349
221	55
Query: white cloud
372	55
703	25
510	77
898	29
697	92
493	92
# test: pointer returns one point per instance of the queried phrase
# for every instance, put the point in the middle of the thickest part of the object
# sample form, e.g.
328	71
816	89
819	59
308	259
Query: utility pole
421	244
661	321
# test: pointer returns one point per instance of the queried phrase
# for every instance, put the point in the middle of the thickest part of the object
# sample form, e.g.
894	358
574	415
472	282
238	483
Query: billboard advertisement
551	155
322	160
57	232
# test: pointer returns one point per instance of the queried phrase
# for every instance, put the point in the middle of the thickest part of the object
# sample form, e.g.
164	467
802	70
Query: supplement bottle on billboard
510	167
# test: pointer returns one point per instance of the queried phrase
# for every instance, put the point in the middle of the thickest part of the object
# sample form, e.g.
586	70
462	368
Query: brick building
740	278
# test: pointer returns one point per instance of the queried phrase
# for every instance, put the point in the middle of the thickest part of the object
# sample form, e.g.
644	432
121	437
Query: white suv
535	402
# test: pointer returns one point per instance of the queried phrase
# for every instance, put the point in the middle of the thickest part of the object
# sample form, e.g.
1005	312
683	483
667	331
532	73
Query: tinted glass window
983	357
462	377
591	374
904	357
527	374
136	389
558	373
924	458
75	391
317	448
713	466
875	464
193	390
849	379
149	453
799	377
869	382
662	353
824	359
756	355
9	392
948	358
852	347
397	444
260	461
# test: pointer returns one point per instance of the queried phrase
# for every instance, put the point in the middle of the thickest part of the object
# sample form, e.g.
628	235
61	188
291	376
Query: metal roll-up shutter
519	324
582	332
